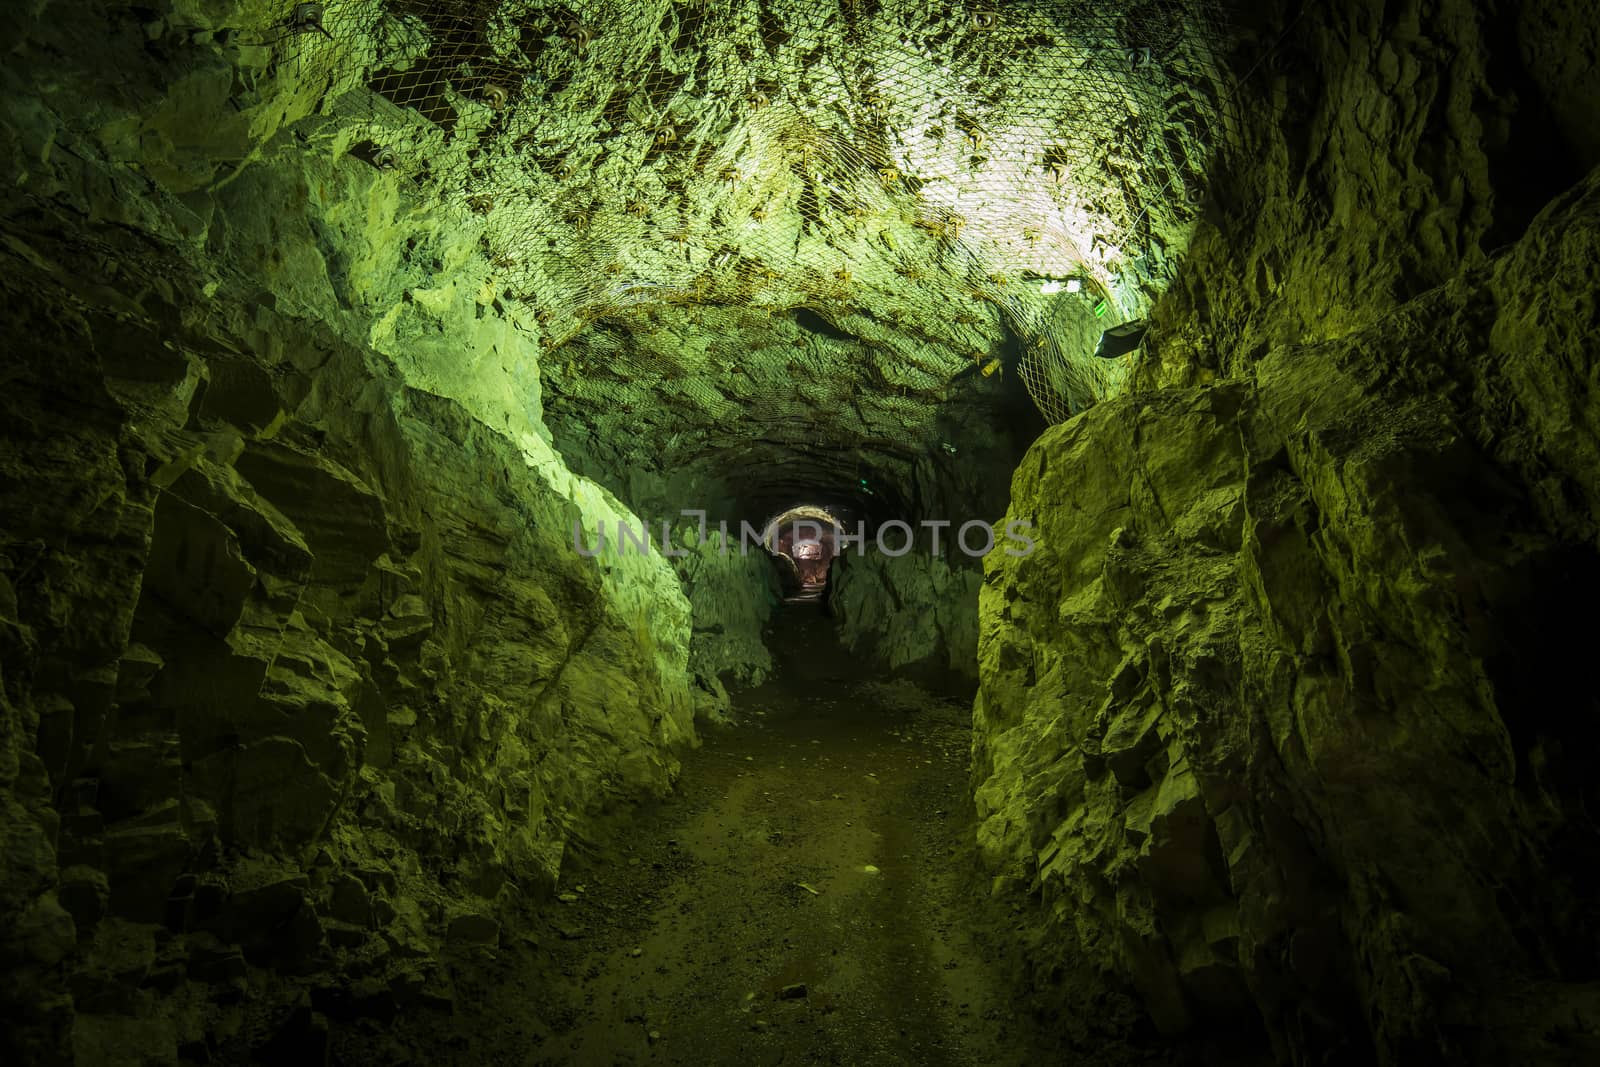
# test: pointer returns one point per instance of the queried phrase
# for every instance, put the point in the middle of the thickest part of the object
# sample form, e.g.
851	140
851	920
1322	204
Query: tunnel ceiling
790	244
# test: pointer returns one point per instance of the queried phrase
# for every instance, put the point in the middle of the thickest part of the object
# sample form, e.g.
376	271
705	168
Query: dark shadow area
1550	706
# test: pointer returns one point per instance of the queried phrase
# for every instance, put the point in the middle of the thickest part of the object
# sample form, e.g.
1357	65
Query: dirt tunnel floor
809	895
807	898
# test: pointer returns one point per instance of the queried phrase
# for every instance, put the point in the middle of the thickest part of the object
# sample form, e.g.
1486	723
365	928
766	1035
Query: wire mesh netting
1044	158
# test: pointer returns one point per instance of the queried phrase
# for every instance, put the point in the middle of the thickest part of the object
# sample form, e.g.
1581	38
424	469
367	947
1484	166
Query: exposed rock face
746	414
1280	720
871	163
1269	721
303	682
302	678
732	594
256	145
1378	149
915	612
302	685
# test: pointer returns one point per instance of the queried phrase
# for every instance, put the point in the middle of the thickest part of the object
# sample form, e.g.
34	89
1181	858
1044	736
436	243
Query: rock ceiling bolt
385	159
497	97
580	37
307	18
985	19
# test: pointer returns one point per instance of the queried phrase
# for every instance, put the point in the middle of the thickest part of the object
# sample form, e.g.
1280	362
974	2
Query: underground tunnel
415	647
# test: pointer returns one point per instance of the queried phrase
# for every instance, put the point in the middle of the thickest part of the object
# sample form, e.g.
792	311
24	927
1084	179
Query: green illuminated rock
909	612
1274	721
320	341
350	638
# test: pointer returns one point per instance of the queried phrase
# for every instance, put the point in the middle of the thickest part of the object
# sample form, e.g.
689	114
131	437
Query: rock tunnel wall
1264	660
788	153
1380	148
732	596
788	230
1277	725
317	683
302	686
912	614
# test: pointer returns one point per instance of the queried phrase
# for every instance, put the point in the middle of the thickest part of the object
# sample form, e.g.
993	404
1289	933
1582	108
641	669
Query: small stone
636	952
349	901
568	898
473	929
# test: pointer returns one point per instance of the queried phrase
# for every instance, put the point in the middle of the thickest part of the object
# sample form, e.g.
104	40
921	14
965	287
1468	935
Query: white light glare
1050	288
1074	285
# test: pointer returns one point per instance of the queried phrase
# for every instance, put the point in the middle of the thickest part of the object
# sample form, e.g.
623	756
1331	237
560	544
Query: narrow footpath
809	897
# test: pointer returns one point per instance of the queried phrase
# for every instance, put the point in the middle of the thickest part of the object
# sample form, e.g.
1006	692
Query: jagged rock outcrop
220	127
914	612
1282	720
1376	149
1268	722
303	681
732	594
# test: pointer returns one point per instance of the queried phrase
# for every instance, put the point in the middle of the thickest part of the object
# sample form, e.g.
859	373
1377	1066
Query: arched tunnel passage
332	328
805	541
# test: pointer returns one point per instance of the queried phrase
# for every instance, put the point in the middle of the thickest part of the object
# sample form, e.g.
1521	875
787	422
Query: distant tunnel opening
803	540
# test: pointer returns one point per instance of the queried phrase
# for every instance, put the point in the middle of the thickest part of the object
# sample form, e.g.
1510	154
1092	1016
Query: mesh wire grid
775	154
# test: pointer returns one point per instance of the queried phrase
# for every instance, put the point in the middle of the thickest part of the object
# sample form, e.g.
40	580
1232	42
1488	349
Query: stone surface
296	660
1274	722
915	612
301	683
732	594
342	642
1227	717
1376	149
